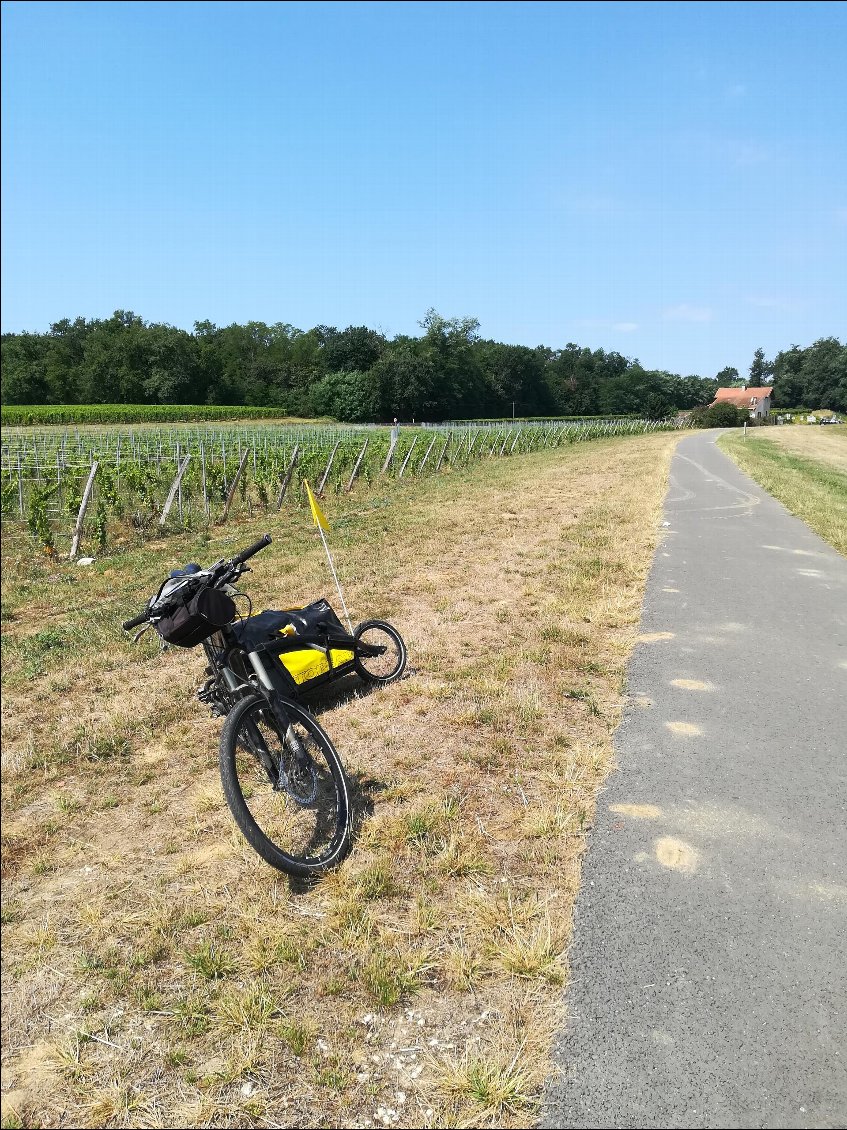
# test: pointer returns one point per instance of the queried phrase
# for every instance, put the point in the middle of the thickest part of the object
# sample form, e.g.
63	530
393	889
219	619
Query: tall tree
825	374
25	369
789	390
514	380
407	380
357	347
447	347
760	370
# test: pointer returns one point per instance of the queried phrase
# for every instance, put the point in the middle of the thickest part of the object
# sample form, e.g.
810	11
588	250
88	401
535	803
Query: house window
754	400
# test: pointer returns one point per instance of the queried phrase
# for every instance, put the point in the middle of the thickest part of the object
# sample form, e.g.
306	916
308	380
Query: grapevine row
152	484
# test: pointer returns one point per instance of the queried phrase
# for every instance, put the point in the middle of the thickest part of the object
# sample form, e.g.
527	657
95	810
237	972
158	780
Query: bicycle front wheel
285	786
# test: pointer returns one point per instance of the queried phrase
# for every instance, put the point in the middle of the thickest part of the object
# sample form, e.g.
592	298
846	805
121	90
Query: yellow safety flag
317	513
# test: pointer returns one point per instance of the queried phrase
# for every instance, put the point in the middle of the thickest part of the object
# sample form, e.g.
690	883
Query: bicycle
282	777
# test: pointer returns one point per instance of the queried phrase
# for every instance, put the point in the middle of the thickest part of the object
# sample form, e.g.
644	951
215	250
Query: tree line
356	374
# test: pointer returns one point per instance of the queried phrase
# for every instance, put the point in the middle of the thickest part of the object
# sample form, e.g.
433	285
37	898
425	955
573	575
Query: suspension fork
291	739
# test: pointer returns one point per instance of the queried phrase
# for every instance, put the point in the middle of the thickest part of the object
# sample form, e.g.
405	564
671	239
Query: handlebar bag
197	618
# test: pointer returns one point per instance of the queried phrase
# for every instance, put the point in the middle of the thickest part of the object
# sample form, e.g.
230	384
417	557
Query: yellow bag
305	665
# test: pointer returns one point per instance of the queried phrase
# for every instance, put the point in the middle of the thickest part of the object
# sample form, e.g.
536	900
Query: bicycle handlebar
252	550
135	621
221	570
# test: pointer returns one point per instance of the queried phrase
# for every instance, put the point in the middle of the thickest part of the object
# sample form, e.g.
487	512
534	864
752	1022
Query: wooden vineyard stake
355	470
206	510
408	457
428	450
441	458
83	506
231	495
322	483
179	484
391	448
286	482
169	501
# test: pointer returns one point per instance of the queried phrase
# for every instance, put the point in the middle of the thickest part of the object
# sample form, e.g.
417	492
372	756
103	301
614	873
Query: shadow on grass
363	788
348	687
363	792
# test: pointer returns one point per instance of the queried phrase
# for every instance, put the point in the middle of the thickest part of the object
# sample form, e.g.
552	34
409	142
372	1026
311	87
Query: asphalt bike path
709	959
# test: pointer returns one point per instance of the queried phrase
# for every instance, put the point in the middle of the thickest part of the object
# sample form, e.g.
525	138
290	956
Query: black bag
316	618
199	617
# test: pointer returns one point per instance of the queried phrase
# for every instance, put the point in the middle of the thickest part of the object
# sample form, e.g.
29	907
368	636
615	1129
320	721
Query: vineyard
35	415
64	489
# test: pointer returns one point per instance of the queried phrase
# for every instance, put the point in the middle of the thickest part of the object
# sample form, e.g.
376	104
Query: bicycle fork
300	758
301	783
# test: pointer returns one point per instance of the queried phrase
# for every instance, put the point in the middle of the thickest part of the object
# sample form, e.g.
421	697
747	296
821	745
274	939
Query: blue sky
667	180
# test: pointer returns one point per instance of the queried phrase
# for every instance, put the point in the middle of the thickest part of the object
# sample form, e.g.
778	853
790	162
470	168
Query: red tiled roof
742	397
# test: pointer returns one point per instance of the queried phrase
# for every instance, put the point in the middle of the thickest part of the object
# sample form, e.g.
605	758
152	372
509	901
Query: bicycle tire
296	833
381	669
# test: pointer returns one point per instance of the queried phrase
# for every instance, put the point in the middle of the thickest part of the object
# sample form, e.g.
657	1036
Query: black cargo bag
199	617
316	618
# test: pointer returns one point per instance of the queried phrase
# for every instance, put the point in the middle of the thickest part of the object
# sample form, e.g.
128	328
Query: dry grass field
157	973
825	444
805	468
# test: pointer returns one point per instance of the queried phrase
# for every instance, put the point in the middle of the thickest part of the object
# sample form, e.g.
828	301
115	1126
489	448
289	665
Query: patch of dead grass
825	444
170	976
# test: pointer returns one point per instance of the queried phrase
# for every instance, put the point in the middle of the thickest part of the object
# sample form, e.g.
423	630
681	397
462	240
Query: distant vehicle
831	420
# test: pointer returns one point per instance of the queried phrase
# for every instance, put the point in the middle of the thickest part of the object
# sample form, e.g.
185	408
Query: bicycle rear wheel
297	819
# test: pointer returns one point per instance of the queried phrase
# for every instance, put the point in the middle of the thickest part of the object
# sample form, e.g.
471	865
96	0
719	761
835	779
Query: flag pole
335	578
322	524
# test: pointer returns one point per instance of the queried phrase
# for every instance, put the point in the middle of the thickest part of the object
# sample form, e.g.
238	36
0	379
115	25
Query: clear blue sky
668	180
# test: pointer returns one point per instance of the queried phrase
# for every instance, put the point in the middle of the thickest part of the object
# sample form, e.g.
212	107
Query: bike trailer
304	664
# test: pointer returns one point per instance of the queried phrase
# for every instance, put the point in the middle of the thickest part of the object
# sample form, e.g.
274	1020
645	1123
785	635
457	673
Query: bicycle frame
228	666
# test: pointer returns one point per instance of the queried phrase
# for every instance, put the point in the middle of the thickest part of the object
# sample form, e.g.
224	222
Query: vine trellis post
169	501
83	506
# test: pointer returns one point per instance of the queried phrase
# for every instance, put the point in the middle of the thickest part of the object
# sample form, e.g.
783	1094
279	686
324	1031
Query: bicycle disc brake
301	780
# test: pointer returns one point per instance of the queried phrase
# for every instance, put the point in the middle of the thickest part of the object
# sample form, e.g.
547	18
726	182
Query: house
757	400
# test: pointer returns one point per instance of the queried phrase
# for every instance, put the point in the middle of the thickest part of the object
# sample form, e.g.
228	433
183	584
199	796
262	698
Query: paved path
709	963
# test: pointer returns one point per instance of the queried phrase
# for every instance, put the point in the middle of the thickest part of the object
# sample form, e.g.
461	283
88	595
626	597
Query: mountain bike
282	777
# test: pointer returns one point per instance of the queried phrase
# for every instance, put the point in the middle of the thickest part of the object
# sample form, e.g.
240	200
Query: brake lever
138	635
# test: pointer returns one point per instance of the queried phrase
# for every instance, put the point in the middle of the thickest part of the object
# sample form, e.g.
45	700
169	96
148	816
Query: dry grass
825	444
156	972
805	468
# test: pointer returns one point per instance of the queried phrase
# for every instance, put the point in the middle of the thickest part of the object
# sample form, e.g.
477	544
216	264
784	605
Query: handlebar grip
135	621
252	550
